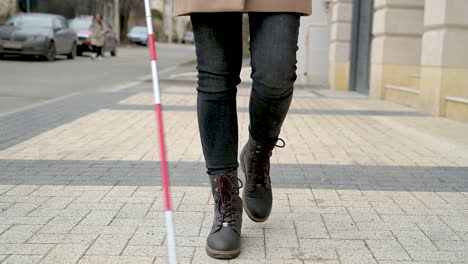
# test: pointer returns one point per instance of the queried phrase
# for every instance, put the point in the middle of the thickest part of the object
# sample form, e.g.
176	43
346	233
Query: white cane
162	145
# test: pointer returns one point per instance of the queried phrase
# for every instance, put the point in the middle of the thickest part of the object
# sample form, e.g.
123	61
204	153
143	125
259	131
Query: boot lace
228	195
261	169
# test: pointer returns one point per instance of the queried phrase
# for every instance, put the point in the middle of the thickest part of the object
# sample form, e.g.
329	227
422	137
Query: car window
60	24
80	24
57	24
139	30
30	21
64	23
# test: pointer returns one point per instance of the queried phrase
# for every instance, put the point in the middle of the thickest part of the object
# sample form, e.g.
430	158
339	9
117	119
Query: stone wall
340	38
444	63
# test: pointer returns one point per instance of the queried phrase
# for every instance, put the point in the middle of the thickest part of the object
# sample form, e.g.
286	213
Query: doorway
361	40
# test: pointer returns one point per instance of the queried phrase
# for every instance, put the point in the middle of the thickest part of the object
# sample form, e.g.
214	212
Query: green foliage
157	14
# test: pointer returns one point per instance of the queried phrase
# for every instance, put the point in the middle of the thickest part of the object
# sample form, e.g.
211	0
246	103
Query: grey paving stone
91	196
289	253
148	236
414	240
21	190
57	203
133	210
29	220
125	199
339	222
281	238
20	209
364	215
457	223
22	199
3	228
351	234
115	260
321	262
438	232
347	244
366	226
307	229
122	191
194	241
65	253
252	248
387	250
362	256
99	217
156	251
60	224
200	257
105	230
63	238
23	259
448	245
95	206
108	245
25	249
19	233
440	256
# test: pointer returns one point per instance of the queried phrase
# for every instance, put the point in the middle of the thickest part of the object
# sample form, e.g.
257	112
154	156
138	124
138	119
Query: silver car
38	34
138	35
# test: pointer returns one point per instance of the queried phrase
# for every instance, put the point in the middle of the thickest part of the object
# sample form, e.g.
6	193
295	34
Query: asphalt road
26	81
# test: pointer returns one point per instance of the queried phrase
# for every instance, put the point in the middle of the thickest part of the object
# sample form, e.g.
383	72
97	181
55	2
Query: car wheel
51	52
72	53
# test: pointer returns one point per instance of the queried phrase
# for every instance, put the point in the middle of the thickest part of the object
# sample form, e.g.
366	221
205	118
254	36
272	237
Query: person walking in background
98	32
217	27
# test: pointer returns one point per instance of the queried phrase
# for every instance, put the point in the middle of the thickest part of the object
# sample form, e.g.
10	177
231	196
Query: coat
185	7
98	32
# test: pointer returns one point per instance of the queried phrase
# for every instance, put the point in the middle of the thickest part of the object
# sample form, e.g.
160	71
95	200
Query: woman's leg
93	52
218	40
99	51
273	44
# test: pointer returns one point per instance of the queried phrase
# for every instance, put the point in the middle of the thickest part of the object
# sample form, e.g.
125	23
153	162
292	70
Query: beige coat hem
185	7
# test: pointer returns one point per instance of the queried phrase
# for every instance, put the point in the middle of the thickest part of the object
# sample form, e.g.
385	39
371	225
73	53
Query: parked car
81	26
188	38
138	35
38	34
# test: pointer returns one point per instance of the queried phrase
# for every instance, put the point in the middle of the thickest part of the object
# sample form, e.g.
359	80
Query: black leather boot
224	239
255	163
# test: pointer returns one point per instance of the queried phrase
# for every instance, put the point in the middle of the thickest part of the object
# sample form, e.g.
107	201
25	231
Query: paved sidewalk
360	181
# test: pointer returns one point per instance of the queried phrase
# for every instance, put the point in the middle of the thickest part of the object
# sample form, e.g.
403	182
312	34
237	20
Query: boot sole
218	254
246	208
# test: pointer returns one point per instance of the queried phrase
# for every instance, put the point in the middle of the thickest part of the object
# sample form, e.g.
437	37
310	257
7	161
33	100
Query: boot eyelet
215	179
216	189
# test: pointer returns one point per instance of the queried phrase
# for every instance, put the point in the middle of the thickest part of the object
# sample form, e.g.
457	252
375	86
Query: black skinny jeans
273	45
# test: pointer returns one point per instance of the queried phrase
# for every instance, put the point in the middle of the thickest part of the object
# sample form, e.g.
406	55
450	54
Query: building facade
417	56
8	8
